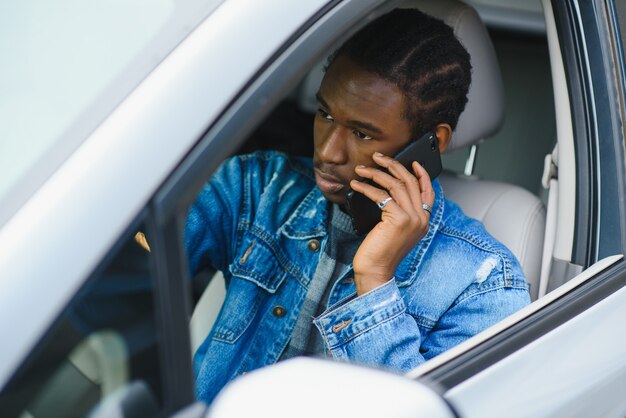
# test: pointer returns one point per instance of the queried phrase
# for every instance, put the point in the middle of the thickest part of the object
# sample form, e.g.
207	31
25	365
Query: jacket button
313	245
279	311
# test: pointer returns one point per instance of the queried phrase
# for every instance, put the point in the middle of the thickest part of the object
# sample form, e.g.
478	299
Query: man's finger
413	186
426	186
393	186
373	193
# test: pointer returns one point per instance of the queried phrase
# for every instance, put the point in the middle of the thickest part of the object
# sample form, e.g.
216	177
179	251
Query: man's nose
333	146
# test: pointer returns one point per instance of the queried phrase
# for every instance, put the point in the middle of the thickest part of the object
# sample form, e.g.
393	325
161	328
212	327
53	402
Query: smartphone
365	214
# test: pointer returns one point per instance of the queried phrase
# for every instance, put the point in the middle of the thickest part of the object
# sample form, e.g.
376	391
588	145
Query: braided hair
422	57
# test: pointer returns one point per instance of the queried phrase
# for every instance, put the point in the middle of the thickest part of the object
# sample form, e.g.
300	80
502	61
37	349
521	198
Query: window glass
103	347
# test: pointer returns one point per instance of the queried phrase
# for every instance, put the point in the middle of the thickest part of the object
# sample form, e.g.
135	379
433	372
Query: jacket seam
500	286
355	300
422	320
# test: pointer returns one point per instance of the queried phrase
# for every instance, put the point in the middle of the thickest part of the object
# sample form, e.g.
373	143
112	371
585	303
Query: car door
91	255
195	109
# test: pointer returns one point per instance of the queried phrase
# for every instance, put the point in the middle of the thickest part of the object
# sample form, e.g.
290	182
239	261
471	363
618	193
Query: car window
67	65
515	337
294	126
102	350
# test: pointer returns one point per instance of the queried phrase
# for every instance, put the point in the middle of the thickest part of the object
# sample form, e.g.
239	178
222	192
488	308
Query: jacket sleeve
375	329
211	224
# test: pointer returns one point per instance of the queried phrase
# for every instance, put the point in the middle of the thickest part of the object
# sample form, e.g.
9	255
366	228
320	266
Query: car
114	115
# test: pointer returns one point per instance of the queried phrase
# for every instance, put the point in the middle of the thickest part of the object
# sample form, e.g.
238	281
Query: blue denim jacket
255	221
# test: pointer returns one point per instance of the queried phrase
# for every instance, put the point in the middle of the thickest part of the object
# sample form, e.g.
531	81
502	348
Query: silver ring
382	204
427	208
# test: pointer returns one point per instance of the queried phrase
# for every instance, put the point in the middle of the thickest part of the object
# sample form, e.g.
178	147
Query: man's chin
338	198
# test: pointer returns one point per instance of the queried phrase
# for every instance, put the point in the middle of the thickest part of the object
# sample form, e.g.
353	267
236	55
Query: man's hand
403	220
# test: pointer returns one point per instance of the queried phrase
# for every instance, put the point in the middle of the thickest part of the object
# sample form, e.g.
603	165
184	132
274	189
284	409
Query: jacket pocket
255	276
257	263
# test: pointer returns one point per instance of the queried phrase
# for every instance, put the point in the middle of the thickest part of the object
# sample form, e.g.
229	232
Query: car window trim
172	307
607	145
567	21
615	73
588	50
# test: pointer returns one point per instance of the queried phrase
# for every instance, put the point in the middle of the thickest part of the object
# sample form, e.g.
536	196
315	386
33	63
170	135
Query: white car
114	114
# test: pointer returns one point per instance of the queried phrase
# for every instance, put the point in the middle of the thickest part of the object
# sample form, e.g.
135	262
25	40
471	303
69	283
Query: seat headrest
484	112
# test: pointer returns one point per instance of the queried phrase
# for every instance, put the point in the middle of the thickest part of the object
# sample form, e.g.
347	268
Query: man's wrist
367	282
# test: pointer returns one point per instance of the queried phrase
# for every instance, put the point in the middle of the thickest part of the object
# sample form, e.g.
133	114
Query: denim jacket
261	220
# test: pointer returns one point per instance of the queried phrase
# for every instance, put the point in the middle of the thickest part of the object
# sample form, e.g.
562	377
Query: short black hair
422	57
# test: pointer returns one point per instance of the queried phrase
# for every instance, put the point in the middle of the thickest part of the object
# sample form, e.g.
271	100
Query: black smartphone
365	214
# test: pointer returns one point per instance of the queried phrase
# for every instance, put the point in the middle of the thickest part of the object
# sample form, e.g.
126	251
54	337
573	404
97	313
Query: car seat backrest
513	215
484	113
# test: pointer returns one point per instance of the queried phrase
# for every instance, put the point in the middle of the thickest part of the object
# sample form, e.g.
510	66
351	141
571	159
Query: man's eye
361	135
324	114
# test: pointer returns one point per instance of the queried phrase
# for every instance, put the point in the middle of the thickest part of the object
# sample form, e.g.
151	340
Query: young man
299	279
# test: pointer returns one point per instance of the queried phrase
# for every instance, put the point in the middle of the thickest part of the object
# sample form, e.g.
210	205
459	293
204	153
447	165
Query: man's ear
443	131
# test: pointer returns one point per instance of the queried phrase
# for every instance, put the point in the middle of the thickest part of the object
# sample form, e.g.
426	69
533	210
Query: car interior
494	165
501	168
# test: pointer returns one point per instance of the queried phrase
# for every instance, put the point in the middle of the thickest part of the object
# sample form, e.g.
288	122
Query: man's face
358	114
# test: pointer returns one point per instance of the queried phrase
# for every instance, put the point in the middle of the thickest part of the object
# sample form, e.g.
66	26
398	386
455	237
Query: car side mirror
307	387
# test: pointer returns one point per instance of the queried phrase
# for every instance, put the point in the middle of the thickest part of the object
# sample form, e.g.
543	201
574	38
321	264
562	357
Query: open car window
516	154
287	127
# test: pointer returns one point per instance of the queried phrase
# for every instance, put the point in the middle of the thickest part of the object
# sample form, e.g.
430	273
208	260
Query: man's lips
327	182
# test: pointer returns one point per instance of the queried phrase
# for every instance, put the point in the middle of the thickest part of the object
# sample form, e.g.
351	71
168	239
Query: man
299	279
